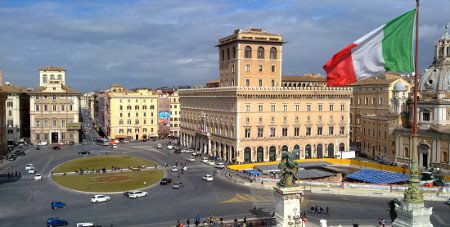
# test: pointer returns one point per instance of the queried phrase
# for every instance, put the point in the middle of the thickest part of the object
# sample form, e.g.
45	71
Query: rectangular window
260	82
45	108
273	83
308	131
260	108
37	108
285	107
320	107
273	68
260	68
54	107
319	130
45	123
54	123
10	113
331	107
70	107
380	101
38	123
247	108
247	82
247	119
330	130
260	132
247	133
342	107
297	107
63	107
373	101
308	107
272	107
284	132
296	119
247	68
359	100
272	132
296	131
63	123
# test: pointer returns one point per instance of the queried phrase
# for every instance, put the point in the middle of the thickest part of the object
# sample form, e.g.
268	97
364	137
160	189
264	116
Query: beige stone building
433	114
378	107
3	143
255	114
128	114
54	109
175	114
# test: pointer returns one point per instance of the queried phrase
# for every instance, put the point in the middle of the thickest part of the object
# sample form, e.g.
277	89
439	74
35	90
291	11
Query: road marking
244	198
48	163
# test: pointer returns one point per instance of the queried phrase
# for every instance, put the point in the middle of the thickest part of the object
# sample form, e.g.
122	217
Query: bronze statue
289	169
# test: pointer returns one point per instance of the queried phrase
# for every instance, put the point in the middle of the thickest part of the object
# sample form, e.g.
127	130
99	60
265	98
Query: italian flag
387	48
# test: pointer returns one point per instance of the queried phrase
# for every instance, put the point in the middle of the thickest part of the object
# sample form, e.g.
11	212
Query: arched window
260	52
222	57
260	154
60	77
284	148
320	151
247	154
234	52
44	78
272	153
330	150
341	147
248	52
228	54
273	53
297	151
52	77
308	151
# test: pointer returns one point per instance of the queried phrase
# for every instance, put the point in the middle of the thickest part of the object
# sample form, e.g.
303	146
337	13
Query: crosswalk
5	177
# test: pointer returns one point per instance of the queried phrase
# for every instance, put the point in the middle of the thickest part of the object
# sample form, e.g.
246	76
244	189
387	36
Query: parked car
100	198
57	204
38	176
219	165
211	162
170	147
42	143
189	151
12	158
29	166
56	222
32	170
159	145
174	169
191	159
84	152
136	194
194	153
178	185
85	224
204	159
165	181
56	147
208	178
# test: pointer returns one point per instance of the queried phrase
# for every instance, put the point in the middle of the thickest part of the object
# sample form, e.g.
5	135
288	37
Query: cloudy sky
152	43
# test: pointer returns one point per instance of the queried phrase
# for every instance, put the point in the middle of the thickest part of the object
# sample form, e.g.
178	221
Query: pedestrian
316	209
15	174
321	210
19	173
9	176
328	210
188	222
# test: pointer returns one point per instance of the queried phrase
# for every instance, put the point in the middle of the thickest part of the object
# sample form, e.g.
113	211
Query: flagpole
413	193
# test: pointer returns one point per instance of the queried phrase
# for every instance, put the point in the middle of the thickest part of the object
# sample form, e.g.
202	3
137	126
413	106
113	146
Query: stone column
209	147
438	151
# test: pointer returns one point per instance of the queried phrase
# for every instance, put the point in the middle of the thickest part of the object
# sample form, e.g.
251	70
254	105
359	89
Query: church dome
400	86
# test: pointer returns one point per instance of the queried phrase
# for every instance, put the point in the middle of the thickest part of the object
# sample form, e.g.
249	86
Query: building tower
250	58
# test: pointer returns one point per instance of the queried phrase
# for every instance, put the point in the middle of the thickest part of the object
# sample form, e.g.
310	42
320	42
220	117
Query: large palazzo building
17	113
433	114
254	113
54	108
127	114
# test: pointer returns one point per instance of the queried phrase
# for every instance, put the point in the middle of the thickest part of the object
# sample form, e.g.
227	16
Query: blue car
57	204
56	222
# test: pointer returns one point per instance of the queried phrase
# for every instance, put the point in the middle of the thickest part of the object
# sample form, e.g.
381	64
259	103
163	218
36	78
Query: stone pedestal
287	206
413	215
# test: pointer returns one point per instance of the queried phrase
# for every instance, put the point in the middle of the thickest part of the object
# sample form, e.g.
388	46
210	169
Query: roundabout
107	173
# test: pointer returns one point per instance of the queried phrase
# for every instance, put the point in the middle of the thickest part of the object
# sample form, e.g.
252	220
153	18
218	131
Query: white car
191	159
219	165
100	198
29	166
174	169
137	194
159	145
185	168
194	154
208	178
211	162
85	224
114	146
42	143
204	159
189	151
170	147
38	176
32	170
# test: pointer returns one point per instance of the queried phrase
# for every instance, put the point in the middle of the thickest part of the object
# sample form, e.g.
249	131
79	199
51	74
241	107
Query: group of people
13	174
319	210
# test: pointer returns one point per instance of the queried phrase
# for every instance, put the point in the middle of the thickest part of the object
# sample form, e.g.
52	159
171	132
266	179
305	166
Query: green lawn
98	162
110	182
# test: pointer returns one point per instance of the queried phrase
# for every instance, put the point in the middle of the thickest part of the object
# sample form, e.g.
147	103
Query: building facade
169	113
378	107
128	114
253	116
3	143
54	109
17	114
433	114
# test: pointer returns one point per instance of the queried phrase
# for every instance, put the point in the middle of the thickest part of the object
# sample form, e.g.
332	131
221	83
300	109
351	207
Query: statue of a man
288	168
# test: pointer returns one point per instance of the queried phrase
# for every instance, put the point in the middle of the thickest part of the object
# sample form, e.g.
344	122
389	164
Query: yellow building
254	114
128	114
378	107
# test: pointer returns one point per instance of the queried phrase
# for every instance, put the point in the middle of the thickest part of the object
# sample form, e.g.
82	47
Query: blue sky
166	42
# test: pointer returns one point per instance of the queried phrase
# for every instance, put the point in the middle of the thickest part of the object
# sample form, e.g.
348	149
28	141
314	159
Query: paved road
25	202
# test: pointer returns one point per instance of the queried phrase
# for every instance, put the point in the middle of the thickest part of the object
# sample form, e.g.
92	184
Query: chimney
1	78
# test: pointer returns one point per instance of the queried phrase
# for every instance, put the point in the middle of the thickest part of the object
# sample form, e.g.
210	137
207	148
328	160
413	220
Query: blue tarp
378	176
252	172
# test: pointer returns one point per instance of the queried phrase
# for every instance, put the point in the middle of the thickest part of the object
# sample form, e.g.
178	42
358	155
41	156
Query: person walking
328	210
188	222
316	209
321	210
